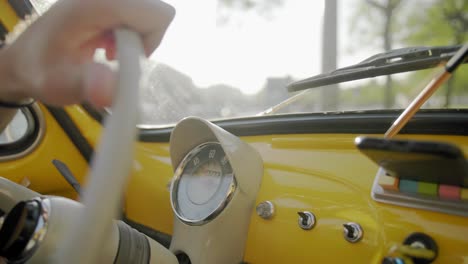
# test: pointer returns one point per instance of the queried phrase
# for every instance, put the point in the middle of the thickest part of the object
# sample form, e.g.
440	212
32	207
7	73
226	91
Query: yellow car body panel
321	173
37	168
327	175
8	16
89	128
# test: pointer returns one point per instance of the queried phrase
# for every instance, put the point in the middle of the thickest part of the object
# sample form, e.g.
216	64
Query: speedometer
203	184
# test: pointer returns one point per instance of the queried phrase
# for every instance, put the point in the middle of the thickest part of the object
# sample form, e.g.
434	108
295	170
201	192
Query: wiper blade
395	61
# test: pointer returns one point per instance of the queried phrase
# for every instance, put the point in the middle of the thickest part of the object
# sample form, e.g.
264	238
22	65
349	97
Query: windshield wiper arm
395	61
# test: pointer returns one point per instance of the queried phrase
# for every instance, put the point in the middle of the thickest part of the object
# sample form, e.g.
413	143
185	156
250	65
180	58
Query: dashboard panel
325	175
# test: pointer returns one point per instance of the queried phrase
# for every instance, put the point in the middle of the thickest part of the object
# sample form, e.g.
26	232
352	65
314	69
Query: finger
63	85
99	84
153	39
72	84
150	18
106	41
111	51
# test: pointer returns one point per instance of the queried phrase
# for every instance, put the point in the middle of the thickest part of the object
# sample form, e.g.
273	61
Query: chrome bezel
41	228
35	110
175	184
39	233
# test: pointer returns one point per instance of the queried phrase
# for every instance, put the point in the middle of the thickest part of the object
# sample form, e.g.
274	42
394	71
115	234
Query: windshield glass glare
226	59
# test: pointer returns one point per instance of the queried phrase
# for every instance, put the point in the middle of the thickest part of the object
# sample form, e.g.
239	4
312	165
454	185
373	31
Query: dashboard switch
306	220
352	232
265	210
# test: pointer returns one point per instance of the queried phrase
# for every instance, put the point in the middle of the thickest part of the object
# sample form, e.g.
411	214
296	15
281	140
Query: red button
451	192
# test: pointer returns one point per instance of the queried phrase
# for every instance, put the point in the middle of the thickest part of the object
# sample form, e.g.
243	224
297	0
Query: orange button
388	182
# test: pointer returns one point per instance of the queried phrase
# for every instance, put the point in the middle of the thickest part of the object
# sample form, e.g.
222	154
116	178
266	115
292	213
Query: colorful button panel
441	191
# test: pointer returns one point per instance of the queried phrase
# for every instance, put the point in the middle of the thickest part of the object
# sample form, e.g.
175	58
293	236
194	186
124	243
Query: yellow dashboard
323	174
320	173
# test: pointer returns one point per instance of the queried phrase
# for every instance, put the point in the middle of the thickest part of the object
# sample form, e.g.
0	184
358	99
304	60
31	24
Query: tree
443	22
263	7
329	95
329	100
387	9
377	19
456	13
249	4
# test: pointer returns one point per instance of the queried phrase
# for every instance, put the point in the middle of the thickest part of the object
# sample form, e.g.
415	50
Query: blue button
408	186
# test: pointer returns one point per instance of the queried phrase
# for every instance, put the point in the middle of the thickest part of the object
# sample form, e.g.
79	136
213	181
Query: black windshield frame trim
430	122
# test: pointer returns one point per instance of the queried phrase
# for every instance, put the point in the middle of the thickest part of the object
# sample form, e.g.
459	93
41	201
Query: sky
250	47
246	50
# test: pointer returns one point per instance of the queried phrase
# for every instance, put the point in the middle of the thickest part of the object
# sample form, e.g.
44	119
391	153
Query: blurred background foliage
384	25
374	26
413	23
350	28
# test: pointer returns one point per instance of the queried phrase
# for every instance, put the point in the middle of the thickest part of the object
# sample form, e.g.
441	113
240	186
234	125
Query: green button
427	188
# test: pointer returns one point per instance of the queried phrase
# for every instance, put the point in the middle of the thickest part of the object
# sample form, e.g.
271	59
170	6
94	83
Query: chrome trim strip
40	230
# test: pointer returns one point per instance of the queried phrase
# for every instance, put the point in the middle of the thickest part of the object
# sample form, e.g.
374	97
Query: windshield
226	59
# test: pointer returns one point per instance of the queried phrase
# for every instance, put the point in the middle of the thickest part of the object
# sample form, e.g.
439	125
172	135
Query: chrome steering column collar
23	229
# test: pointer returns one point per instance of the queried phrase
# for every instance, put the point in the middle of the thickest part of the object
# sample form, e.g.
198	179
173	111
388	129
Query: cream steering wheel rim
112	163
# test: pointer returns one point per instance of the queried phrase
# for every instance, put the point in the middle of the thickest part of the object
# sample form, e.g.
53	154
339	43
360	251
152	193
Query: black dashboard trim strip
432	122
93	112
22	8
73	132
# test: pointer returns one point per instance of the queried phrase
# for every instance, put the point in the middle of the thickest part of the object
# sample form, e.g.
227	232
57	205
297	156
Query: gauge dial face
203	184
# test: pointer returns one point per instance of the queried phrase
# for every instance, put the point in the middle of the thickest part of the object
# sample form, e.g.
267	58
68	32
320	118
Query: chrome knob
306	220
352	232
265	210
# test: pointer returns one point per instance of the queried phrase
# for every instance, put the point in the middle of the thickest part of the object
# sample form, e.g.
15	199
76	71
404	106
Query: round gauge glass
203	184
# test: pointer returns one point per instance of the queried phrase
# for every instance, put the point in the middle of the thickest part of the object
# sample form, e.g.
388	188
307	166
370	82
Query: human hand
52	60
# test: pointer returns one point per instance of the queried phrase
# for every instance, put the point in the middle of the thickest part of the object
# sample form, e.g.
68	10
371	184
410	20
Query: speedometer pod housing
216	180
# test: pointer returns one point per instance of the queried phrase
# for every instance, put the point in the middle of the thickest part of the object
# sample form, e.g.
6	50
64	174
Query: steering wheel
59	230
112	164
